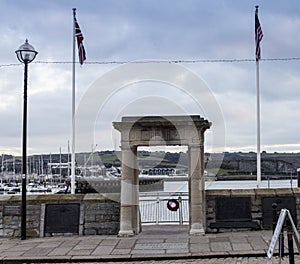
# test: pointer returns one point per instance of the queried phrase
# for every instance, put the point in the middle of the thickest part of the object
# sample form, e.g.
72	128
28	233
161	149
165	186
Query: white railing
153	208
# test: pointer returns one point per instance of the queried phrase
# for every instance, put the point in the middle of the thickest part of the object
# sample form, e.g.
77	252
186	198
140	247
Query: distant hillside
245	163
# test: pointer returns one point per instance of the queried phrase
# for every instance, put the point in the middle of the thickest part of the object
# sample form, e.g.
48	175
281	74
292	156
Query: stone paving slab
149	245
61	251
161	246
126	244
230	260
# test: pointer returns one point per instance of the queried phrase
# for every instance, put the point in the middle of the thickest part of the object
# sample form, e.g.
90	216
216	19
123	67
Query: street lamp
25	54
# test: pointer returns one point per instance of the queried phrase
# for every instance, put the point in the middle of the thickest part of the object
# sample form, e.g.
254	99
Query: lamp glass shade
26	53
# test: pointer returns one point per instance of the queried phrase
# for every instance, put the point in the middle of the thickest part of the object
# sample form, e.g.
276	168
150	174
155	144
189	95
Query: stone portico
161	131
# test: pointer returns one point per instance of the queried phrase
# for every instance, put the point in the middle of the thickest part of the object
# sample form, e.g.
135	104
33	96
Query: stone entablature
159	130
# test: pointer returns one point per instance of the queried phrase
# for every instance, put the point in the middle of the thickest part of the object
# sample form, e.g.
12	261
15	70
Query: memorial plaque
284	202
62	218
233	209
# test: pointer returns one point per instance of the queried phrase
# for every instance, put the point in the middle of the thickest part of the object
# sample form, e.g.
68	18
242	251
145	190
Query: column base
197	230
127	233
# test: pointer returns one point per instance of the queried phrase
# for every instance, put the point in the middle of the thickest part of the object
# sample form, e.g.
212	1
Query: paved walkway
162	243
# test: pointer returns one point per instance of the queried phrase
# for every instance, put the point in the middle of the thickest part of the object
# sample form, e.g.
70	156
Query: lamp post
25	54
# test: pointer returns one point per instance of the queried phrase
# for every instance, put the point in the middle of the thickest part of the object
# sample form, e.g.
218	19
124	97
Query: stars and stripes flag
258	35
79	37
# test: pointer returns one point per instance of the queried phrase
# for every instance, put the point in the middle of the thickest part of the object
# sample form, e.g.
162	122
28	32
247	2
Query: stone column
196	189
128	192
136	223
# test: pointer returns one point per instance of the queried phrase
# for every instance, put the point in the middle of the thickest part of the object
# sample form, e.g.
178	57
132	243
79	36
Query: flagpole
73	111
258	38
258	127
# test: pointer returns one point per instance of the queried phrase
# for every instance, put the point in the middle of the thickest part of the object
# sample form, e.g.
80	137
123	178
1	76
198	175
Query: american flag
258	35
79	37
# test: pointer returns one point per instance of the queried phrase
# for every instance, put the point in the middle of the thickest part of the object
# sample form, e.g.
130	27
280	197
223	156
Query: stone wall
99	215
256	195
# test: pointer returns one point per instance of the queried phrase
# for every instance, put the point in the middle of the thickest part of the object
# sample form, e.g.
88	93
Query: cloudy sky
140	30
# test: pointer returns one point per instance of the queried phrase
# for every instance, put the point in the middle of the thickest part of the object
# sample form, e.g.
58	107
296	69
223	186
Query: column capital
195	145
128	147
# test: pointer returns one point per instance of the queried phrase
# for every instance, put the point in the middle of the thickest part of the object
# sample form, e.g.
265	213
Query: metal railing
292	178
153	208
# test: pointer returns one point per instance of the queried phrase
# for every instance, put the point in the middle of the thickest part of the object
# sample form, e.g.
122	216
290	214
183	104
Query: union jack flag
258	35
79	37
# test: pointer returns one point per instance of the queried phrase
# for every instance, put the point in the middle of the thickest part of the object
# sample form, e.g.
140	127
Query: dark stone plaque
233	209
62	218
287	202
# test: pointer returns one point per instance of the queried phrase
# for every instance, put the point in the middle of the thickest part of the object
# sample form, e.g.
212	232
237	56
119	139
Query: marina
169	184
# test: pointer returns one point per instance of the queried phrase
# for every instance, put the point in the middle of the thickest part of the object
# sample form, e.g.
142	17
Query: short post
274	221
281	244
157	210
180	210
281	237
290	241
298	177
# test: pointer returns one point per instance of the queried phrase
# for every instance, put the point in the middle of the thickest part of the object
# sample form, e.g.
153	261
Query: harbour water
182	186
169	186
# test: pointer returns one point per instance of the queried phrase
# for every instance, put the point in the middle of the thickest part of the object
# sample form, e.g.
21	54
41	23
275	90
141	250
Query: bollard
274	221
298	177
157	211
180	210
281	244
290	242
281	236
291	248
